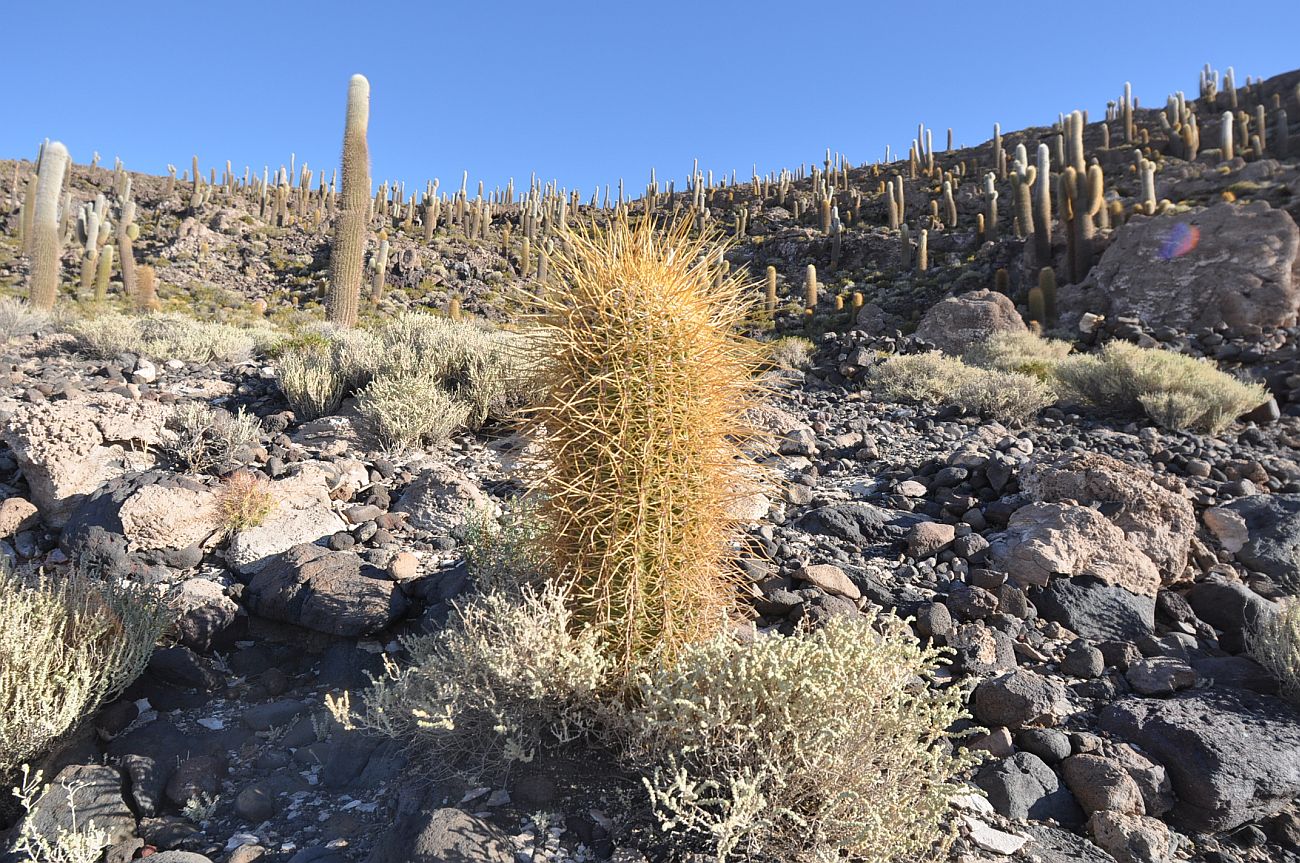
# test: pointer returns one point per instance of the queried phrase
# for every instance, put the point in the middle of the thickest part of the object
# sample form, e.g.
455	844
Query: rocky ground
1094	575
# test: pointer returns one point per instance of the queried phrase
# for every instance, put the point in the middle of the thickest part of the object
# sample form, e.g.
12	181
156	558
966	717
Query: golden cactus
641	459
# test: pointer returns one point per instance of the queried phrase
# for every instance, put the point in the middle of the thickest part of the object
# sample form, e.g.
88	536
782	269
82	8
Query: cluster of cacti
94	230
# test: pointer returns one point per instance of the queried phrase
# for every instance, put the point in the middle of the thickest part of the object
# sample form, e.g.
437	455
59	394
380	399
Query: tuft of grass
790	352
936	378
244	500
1274	641
1176	391
67	645
641	433
166	337
811	746
17	318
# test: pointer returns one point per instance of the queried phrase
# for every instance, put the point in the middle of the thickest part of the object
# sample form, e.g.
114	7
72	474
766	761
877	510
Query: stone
862	524
1049	744
1083	660
148	755
1053	845
992	840
302	514
1228	526
203	611
444	836
169	516
798	441
1101	784
1095	610
328	591
1019	698
1228	605
1160	675
273	714
439	498
1044	541
1211	741
956	323
98	798
404	566
1157	520
981	650
929	538
1240	672
195	778
1131	838
1023	787
1273	523
1242	272
17	513
831	579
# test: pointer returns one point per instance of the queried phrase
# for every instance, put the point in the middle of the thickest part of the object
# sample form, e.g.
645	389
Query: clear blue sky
588	92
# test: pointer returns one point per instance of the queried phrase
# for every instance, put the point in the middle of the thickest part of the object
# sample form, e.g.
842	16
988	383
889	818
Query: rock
302	514
169	516
1101	784
1096	611
98	797
1049	744
203	611
989	839
195	779
16	513
798	441
956	323
831	579
1273	523
1053	845
1152	779
1160	675
1022	787
1044	541
273	714
862	524
404	566
1083	660
149	754
1211	742
1228	605
981	650
1155	519
1228	525
1019	698
1236	671
929	538
444	836
328	591
439	498
178	857
1241	273
1131	838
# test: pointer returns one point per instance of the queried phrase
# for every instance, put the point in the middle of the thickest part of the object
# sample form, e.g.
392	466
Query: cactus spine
46	244
346	263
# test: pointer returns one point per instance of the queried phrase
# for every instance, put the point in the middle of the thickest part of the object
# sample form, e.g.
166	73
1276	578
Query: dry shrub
644	427
802	747
164	337
208	437
790	352
17	318
1178	392
1023	353
244	500
939	379
1275	643
510	672
66	646
409	410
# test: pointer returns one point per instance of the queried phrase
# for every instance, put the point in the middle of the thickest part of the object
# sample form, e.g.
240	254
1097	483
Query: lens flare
1182	239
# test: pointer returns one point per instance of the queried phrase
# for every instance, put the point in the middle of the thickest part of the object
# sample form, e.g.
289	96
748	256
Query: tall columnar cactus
810	289
991	202
769	302
379	269
1147	171
1043	209
47	247
1023	176
346	255
1226	149
103	272
1127	107
1074	141
923	251
949	206
1081	198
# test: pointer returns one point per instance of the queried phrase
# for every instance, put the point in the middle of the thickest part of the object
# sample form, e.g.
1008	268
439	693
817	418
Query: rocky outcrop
954	324
1242	271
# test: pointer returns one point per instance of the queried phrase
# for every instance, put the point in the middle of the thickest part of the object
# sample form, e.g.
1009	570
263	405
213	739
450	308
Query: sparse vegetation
208	437
933	377
1022	353
791	352
244	500
166	337
17	318
67	644
1275	642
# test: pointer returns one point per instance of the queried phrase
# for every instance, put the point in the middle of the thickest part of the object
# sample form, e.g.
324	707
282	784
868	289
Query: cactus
660	432
1043	210
1002	281
127	233
379	269
1081	198
991	199
810	288
1226	150
103	272
453	308
1147	170
1023	176
46	245
146	295
769	303
923	251
1037	310
949	206
346	262
1074	156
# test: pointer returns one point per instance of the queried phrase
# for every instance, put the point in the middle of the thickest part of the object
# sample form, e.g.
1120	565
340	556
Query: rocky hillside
1096	554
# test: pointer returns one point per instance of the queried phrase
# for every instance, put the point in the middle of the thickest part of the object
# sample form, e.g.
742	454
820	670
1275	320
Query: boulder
1023	786
439	498
1019	698
1242	271
1232	755
169	516
1044	541
302	513
1095	610
1102	784
328	591
1273	543
1132	838
1157	520
956	323
203	611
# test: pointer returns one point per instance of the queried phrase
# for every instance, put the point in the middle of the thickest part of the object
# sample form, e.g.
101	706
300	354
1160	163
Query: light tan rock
165	516
1132	838
831	579
16	513
954	324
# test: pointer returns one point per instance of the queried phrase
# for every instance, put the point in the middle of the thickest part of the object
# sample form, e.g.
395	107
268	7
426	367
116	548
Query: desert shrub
790	352
66	646
244	500
644	423
1274	641
163	336
1024	353
802	747
1176	391
507	553
508	674
310	380
17	318
208	437
936	378
409	410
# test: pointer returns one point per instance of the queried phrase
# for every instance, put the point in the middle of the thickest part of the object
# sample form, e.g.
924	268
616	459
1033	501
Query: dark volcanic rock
1096	611
325	590
1273	521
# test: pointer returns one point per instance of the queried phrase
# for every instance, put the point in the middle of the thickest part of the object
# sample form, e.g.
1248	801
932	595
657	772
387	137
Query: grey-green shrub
939	379
406	410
